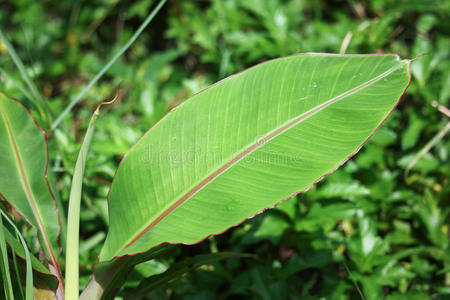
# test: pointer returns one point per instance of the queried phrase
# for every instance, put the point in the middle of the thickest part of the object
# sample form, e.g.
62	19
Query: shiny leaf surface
245	143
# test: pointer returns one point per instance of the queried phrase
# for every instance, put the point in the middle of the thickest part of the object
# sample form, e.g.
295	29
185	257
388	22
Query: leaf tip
116	96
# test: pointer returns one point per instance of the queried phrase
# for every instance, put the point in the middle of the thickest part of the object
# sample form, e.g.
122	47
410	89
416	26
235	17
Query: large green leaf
23	179
246	143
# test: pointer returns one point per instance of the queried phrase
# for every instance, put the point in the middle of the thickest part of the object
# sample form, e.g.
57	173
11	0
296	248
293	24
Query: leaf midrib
252	147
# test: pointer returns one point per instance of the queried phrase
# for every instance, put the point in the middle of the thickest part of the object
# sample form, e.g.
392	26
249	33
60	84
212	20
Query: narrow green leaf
23	174
16	270
44	109
29	269
245	143
90	243
109	64
427	148
4	264
16	243
18	249
16	83
73	219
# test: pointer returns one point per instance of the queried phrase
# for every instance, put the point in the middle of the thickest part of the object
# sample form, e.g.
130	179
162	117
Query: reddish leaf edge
54	261
293	195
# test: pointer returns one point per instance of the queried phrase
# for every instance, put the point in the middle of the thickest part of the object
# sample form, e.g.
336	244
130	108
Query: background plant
392	234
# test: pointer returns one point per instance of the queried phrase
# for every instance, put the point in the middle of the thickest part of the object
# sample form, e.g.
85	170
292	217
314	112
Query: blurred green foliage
364	231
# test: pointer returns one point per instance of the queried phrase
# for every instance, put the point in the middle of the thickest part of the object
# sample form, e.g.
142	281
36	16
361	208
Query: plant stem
73	220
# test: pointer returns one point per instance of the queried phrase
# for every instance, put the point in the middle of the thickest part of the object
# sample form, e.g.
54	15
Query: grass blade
361	294
22	89
16	269
4	264
29	269
92	242
44	109
108	65
426	149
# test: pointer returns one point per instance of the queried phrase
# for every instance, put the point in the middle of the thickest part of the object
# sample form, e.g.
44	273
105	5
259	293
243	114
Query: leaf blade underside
245	143
24	184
